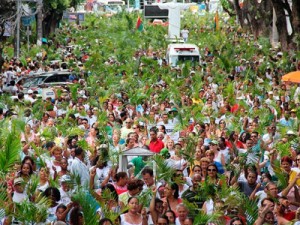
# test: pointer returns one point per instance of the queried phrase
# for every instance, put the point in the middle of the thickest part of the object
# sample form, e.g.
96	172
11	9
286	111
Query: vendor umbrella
292	77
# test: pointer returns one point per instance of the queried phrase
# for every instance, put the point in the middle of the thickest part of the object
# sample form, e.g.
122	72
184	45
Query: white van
182	52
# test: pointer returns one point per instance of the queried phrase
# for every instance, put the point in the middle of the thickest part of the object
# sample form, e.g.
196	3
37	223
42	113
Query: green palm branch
203	218
88	205
9	148
163	171
32	212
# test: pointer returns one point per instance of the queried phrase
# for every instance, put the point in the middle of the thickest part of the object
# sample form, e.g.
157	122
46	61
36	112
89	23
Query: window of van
57	78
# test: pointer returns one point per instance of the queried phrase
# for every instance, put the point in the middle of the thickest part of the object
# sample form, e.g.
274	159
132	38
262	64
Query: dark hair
78	151
214	165
247	137
21	95
61	206
175	188
102	221
75	215
267	175
158	200
165	217
50	144
84	119
252	171
94	162
287	159
132	198
171	211
147	170
52	191
112	190
120	175
72	116
236	219
164	128
30	168
154	130
132	185
27	157
195	167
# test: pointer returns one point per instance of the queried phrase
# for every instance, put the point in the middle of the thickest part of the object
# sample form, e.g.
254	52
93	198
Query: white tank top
123	222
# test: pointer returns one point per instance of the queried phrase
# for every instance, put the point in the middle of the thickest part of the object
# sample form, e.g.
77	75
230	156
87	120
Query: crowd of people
221	156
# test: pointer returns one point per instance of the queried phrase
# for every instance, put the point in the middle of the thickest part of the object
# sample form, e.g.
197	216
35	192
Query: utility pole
18	26
17	37
39	23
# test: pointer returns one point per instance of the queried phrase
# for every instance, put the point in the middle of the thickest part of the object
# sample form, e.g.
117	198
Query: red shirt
156	146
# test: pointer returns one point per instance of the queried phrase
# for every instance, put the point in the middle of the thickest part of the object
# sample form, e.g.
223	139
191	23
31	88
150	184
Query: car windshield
33	81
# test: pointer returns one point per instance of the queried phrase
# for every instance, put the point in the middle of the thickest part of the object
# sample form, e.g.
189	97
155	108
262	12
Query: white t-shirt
185	33
170	126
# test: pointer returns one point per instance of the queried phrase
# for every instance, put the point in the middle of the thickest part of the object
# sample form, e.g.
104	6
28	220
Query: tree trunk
39	27
1	59
281	24
296	16
51	23
239	12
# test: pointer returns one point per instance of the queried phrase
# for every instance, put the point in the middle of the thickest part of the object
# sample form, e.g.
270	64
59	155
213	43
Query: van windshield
193	58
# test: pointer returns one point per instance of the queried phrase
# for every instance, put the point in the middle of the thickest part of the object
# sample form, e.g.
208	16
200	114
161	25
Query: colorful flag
216	21
139	24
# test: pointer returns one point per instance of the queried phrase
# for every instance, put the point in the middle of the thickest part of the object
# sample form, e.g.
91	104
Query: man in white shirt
170	124
79	168
19	194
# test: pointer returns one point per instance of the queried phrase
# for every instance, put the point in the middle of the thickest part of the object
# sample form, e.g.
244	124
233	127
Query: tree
257	16
53	11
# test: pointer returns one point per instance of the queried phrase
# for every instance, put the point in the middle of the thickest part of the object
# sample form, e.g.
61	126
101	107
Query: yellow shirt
293	174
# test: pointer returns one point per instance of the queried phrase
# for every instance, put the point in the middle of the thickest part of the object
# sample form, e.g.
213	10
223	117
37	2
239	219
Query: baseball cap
215	142
65	178
30	91
290	132
18	180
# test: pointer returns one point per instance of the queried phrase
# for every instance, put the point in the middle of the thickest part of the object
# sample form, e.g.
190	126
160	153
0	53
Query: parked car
46	80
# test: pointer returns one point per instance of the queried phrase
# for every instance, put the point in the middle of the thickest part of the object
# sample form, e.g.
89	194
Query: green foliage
32	212
10	147
49	133
163	171
88	205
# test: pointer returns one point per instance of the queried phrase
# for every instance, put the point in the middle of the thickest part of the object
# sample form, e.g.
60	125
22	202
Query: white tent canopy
123	161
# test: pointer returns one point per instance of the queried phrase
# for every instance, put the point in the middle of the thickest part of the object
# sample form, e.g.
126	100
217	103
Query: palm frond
163	170
88	205
32	212
9	151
